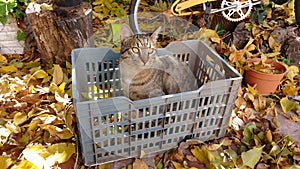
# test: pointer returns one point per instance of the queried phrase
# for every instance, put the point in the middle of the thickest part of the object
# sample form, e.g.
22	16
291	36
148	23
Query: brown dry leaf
276	47
260	103
240	103
177	156
31	98
249	97
256	31
212	147
140	164
191	158
53	130
58	74
294	118
193	142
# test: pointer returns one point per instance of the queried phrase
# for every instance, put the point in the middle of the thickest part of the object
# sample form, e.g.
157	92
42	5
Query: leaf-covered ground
38	121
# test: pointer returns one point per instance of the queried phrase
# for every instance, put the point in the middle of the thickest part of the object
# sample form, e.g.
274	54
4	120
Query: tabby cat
144	74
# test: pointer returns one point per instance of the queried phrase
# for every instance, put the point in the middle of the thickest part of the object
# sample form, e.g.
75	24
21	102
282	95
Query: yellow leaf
24	164
294	68
140	164
39	148
274	45
249	44
208	34
20	118
53	130
271	55
53	88
177	165
251	158
34	157
46	79
62	87
269	136
287	105
40	74
251	47
98	15
252	90
5	162
216	39
236	55
292	72
104	166
98	2
3	59
65	134
290	90
204	156
8	69
61	152
263	58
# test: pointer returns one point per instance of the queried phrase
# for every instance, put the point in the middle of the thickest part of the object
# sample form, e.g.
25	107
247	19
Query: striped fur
144	74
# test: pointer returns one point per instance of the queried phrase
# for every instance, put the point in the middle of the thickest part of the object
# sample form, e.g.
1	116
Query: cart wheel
238	9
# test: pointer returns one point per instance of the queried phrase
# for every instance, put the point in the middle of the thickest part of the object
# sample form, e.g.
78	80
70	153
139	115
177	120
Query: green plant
259	15
14	7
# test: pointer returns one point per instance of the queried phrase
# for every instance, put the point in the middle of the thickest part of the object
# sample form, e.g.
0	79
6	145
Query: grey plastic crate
112	127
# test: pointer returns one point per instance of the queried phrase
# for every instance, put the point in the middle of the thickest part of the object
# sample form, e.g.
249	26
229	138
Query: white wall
8	38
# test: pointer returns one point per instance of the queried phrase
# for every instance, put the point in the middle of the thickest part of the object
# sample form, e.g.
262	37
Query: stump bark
60	30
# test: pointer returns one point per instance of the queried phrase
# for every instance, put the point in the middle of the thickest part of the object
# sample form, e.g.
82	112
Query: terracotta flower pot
266	83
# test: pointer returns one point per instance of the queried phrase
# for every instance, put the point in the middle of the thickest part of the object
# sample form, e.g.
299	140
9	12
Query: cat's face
139	49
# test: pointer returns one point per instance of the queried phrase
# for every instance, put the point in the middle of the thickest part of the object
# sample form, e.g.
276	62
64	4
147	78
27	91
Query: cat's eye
150	50
135	50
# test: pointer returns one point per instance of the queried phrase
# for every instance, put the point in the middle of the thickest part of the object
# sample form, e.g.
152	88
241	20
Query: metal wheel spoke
245	4
240	12
228	3
230	12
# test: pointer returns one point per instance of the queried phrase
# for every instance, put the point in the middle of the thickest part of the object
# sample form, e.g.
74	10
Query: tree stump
60	30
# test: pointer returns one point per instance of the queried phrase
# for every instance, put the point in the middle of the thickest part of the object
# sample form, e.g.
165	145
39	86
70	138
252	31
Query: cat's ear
154	35
125	32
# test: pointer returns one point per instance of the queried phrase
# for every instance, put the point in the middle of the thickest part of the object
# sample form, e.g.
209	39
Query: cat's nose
144	59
